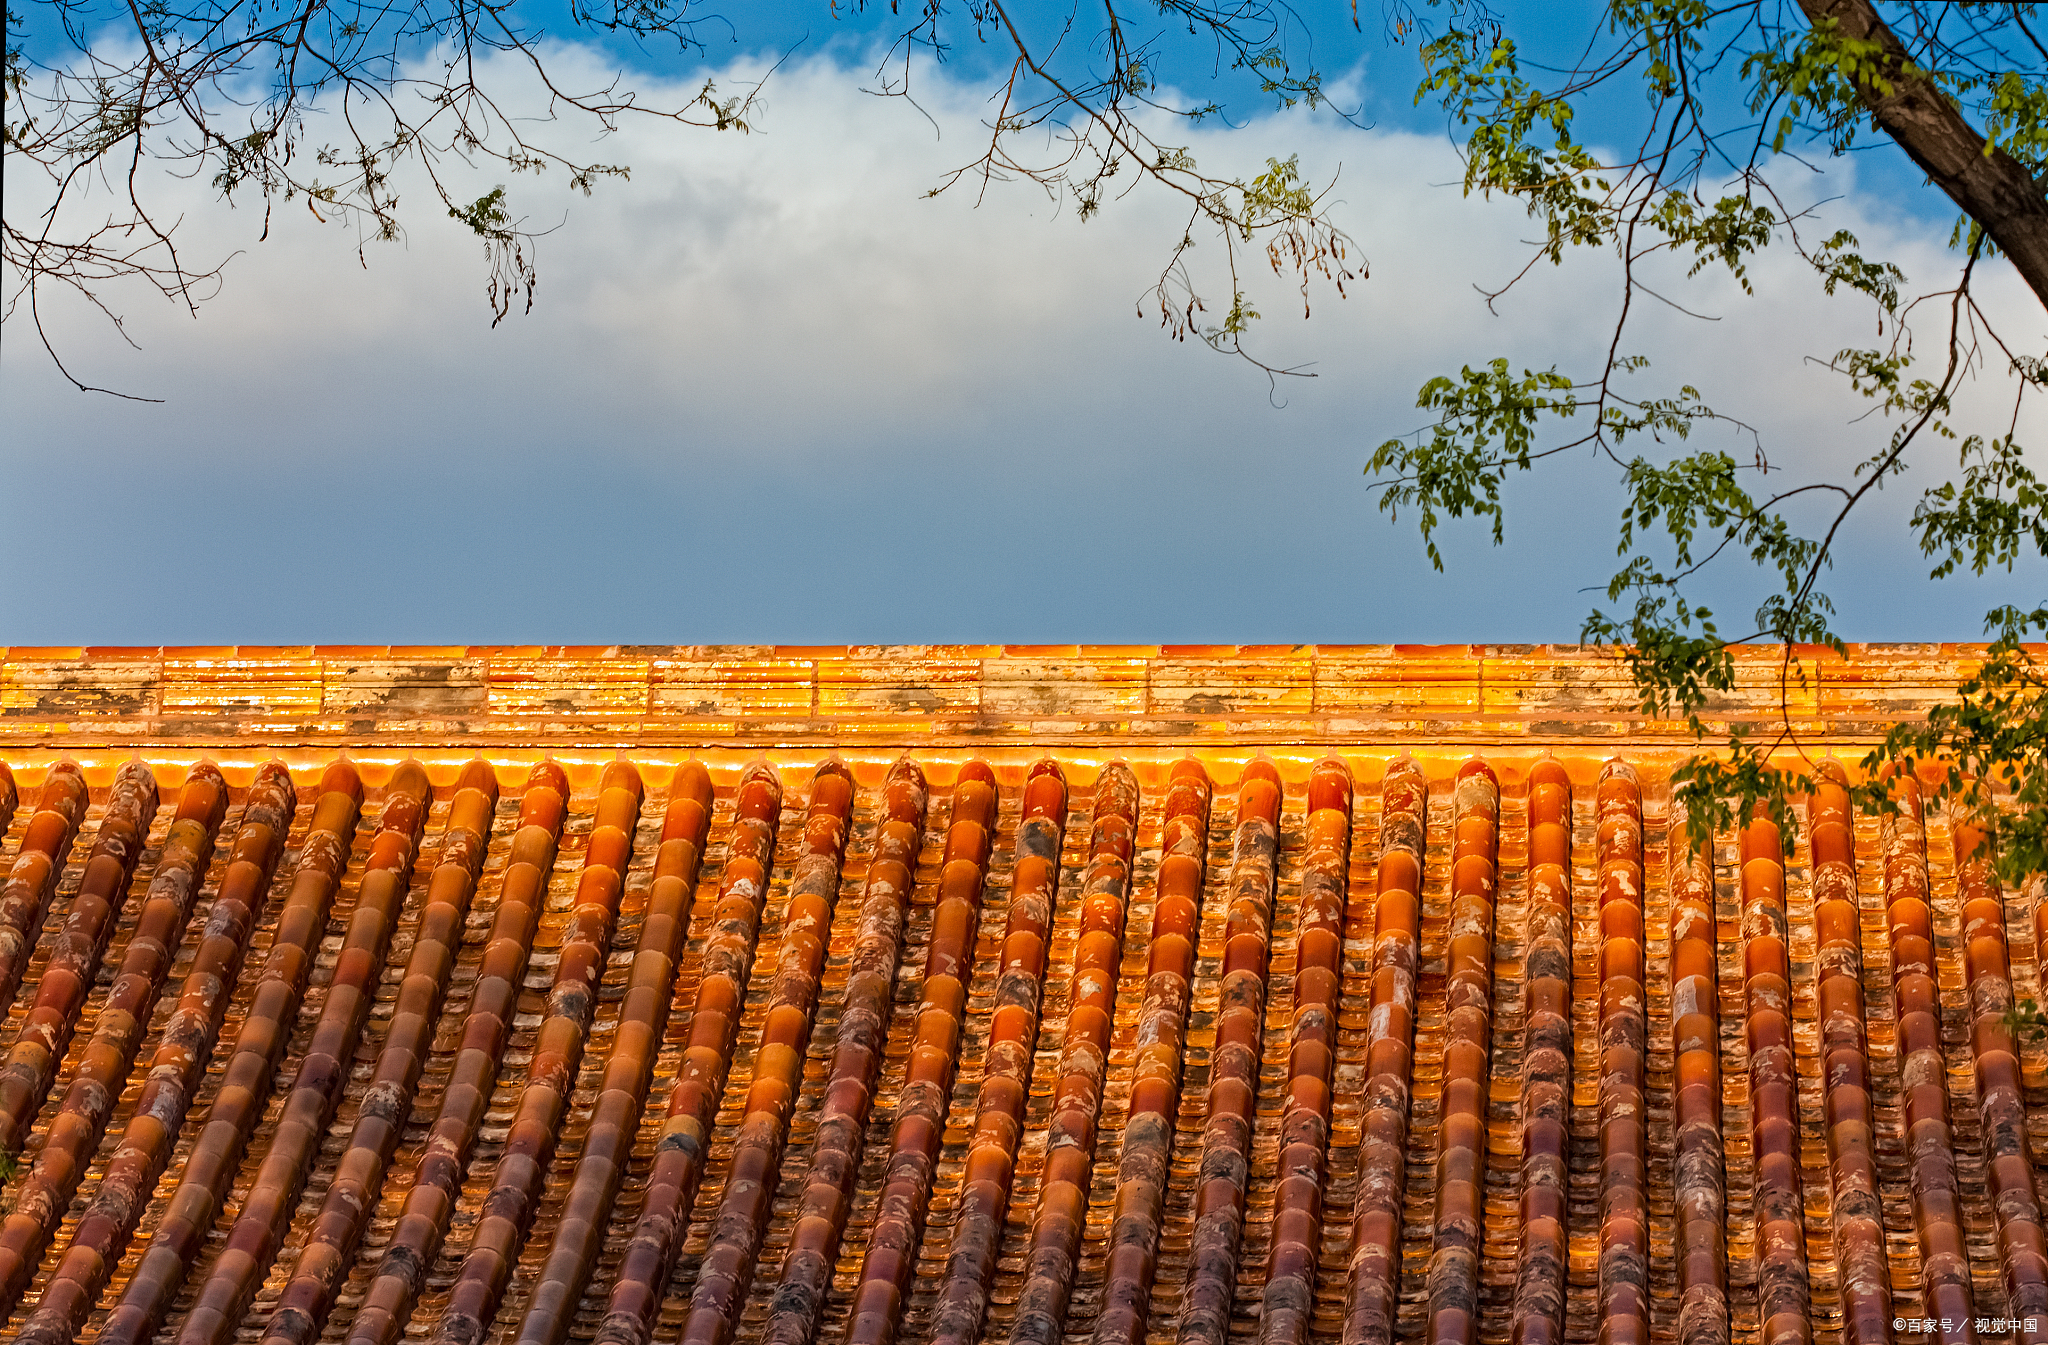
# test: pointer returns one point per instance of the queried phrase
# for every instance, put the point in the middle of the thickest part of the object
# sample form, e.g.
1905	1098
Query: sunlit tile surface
958	994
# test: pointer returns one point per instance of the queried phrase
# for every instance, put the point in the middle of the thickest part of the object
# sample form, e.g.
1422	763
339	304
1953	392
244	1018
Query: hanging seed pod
74	961
1930	1143
1546	1061
330	1245
1698	1179
1062	1209
1624	1202
1468	1042
643	1018
728	1268
1852	1124
2008	1164
529	1151
828	1187
1161	1048
81	1120
1375	1272
181	1056
891	1257
1234	1063
522	891
1782	1293
1012	1042
309	1106
1287	1306
32	878
778	1070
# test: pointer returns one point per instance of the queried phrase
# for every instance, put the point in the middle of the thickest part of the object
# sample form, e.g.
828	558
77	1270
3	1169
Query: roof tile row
1324	1045
1269	1115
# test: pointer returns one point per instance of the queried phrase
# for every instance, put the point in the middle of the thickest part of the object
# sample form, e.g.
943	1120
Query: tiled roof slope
944	996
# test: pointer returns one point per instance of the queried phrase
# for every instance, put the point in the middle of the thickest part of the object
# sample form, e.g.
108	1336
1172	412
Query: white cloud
768	392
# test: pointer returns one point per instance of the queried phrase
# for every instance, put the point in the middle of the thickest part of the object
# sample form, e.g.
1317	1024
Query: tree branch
1993	188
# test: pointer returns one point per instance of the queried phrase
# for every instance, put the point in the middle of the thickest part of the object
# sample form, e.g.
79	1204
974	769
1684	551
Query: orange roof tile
950	994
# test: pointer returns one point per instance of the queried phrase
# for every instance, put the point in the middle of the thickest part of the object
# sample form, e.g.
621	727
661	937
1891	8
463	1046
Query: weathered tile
1403	680
1891	682
907	684
1083	707
764	685
588	683
66	688
1547	683
1214	680
1050	687
250	684
1769	685
402	688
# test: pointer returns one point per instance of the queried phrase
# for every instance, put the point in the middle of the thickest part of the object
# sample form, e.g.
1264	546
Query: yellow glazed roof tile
964	994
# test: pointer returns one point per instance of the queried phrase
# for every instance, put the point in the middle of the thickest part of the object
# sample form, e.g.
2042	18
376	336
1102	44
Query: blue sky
768	393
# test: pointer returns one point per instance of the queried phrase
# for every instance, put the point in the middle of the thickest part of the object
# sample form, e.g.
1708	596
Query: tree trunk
1994	189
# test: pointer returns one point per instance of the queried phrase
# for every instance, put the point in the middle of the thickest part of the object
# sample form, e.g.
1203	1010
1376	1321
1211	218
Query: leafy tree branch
336	102
1724	89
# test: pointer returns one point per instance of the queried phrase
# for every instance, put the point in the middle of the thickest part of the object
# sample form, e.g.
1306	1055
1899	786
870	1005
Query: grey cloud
769	393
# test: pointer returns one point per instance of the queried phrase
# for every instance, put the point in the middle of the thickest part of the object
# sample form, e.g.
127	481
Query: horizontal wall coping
805	694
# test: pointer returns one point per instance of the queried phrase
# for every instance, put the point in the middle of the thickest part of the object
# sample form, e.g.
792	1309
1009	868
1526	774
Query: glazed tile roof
947	995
